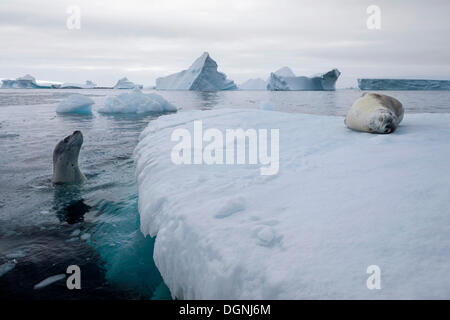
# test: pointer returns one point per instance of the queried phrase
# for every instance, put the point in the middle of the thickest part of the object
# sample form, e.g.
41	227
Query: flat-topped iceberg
403	84
285	80
342	202
75	103
253	84
25	82
124	83
88	85
201	76
136	102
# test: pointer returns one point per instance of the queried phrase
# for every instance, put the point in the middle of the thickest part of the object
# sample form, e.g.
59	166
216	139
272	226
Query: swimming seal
65	160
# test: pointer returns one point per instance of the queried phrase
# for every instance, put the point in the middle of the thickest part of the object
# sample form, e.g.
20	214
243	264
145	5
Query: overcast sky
146	39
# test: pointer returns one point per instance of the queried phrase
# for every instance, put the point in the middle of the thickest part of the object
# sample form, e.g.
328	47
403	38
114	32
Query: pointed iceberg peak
124	83
285	72
202	75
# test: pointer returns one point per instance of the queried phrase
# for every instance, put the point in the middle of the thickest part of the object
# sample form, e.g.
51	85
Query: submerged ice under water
44	229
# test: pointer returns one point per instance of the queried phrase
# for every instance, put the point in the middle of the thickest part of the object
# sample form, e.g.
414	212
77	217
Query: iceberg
88	85
7	267
253	84
287	81
403	84
48	281
285	72
25	82
136	102
342	202
75	103
124	83
201	76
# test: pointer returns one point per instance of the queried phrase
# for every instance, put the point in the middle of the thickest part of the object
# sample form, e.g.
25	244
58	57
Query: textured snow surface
403	84
136	102
341	202
75	103
201	76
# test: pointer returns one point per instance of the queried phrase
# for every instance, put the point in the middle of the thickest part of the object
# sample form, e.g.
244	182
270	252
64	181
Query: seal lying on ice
65	160
375	113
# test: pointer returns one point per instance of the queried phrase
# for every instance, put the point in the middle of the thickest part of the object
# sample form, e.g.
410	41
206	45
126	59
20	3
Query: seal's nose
77	132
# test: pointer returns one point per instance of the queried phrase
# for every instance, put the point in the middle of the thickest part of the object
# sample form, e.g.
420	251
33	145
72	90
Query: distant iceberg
285	72
285	80
75	103
88	85
136	102
201	76
25	82
403	84
253	84
124	83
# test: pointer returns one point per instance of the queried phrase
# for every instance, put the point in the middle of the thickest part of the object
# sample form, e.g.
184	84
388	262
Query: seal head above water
65	160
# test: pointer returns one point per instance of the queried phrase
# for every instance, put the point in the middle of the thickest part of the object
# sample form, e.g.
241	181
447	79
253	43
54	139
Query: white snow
136	102
75	103
253	84
124	83
341	202
201	76
48	281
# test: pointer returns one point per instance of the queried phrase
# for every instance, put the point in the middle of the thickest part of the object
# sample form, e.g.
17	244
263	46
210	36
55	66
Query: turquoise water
43	228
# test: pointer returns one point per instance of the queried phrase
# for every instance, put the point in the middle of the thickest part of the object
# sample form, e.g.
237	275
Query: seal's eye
66	139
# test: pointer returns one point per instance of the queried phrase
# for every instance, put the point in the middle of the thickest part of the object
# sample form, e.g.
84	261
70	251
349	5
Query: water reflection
68	204
207	100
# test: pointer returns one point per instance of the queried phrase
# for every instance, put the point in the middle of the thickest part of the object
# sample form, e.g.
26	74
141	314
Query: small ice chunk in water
49	281
7	267
75	103
85	236
16	254
136	102
75	233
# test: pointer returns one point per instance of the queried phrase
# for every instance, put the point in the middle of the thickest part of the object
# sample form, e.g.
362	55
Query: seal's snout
76	138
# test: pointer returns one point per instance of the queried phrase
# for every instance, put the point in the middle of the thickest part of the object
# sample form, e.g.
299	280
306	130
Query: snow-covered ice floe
403	84
201	76
75	103
341	202
285	80
136	102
